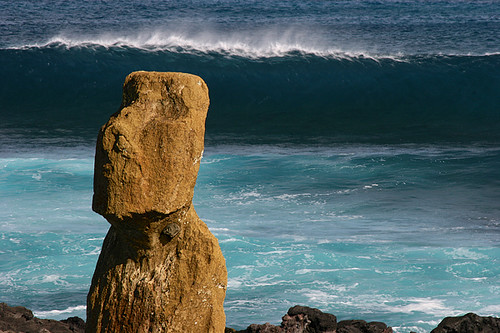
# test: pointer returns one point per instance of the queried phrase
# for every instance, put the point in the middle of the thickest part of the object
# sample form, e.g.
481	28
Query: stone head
148	153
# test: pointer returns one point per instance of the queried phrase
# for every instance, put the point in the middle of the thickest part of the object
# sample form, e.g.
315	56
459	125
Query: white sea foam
425	305
51	278
214	160
364	257
349	151
405	329
250	194
287	197
477	279
325	270
257	43
335	289
95	252
257	282
239	240
430	322
15	240
217	229
250	267
320	297
52	313
234	283
274	252
55	279
9	278
464	253
229	240
490	310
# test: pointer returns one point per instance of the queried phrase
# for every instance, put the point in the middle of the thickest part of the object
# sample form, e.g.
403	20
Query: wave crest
255	45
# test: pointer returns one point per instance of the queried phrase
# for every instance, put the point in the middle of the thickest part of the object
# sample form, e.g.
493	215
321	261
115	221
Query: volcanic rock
317	321
469	323
299	319
15	319
160	268
303	319
361	326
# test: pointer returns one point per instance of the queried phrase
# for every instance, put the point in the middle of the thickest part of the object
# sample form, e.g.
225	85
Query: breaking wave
312	92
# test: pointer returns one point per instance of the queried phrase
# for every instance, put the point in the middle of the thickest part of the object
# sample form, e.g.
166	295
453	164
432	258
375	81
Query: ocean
352	158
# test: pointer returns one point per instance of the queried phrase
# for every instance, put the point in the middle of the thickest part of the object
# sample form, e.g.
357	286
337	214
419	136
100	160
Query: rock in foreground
160	269
303	319
469	323
15	319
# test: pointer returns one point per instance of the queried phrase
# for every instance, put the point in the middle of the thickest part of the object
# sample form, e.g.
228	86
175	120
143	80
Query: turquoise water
401	234
352	149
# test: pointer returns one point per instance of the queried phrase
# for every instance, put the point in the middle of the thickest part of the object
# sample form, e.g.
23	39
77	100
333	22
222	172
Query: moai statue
160	268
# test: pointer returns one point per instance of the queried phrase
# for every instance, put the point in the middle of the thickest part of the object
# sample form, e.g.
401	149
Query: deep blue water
352	149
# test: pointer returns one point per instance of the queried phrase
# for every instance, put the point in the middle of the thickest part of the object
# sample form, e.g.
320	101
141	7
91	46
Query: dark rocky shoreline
16	319
302	319
299	319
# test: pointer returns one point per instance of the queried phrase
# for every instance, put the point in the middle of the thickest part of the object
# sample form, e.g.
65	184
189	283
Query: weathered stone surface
361	326
148	154
469	323
160	269
15	319
315	321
